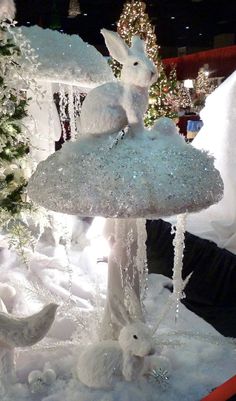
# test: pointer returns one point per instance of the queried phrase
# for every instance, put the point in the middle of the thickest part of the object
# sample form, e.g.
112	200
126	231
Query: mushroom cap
65	59
154	175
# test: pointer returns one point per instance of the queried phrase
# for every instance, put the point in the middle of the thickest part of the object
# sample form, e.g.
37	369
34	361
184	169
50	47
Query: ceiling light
187	27
200	34
74	9
172	17
188	83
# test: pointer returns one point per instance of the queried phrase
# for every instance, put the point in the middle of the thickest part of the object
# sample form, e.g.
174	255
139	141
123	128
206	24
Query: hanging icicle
71	111
78	98
62	107
178	283
178	242
74	9
141	258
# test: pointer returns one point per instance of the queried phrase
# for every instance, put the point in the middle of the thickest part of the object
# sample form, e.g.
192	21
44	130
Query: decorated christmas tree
14	140
163	94
185	99
163	97
203	87
13	143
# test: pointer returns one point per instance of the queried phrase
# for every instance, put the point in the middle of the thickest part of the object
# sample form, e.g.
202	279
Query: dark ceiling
190	23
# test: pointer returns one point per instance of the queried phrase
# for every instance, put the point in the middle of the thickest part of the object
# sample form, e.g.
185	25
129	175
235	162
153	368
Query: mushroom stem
126	266
7	366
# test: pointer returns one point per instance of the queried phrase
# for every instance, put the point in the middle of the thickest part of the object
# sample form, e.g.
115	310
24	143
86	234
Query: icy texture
67	58
155	174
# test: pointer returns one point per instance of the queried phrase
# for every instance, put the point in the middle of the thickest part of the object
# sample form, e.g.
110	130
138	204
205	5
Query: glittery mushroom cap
65	59
154	175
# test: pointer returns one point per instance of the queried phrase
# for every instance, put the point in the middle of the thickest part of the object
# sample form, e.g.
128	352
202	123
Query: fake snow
196	357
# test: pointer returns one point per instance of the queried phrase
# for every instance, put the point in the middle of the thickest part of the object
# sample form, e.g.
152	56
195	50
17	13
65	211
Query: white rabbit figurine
103	364
112	106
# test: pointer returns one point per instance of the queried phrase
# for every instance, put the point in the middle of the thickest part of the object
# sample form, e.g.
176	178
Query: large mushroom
127	181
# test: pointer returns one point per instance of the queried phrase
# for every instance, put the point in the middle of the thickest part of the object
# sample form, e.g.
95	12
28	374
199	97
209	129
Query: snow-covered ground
195	356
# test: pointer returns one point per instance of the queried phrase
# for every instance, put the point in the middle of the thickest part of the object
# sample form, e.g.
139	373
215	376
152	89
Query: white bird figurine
26	331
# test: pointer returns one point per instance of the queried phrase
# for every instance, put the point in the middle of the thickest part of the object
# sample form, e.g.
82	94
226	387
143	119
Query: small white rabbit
103	364
114	105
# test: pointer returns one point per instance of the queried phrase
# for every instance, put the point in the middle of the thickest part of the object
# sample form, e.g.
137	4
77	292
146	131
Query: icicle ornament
178	242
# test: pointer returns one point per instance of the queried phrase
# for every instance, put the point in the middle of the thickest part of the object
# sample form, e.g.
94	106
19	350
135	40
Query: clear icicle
178	282
178	242
77	105
62	106
141	258
71	111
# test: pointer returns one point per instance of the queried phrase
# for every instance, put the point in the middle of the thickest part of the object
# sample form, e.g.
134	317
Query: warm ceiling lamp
74	8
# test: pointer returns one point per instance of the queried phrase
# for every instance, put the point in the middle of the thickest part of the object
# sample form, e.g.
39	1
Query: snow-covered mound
156	174
218	223
195	357
67	58
217	136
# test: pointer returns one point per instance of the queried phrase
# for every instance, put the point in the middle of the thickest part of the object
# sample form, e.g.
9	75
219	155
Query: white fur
101	365
112	106
7	10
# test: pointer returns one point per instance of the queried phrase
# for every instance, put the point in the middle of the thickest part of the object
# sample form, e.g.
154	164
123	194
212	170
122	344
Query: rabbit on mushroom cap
112	106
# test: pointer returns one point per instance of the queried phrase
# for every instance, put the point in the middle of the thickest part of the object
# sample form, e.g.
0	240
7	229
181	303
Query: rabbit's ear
137	45
119	314
135	308
116	46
